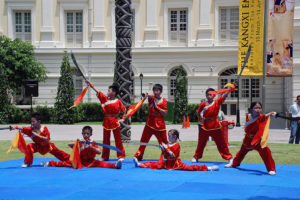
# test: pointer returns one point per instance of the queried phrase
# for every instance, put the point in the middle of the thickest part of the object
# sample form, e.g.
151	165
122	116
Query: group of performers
155	125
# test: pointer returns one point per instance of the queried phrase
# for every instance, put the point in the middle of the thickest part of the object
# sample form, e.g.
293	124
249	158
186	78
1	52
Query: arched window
172	81
250	88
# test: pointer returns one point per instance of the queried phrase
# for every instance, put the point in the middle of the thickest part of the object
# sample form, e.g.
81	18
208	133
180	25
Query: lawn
282	153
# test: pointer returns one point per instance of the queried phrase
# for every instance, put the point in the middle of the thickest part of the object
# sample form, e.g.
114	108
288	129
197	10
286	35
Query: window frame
74	25
178	27
64	7
177	4
14	6
218	5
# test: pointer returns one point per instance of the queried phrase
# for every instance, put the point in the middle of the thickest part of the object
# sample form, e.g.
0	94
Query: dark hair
254	103
87	128
175	132
298	96
37	116
115	88
209	90
158	87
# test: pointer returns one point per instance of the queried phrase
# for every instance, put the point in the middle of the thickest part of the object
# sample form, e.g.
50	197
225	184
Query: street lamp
141	78
238	123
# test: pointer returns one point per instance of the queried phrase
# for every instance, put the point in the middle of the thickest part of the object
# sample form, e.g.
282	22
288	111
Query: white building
200	35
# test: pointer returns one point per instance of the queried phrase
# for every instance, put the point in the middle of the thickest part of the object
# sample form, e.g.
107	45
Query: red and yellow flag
232	88
79	98
75	156
263	134
133	108
18	142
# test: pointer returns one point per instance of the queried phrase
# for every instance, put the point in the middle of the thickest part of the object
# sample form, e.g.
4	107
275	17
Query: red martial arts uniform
172	163
87	157
251	129
211	127
111	109
42	146
155	125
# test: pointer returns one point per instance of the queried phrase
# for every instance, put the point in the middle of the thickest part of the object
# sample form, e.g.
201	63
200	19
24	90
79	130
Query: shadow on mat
252	171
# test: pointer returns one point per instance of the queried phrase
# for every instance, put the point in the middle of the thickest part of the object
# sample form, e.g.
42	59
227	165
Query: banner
251	31
280	38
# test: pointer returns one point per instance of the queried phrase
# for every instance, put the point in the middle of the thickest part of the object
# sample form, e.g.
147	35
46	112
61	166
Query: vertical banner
251	31
280	38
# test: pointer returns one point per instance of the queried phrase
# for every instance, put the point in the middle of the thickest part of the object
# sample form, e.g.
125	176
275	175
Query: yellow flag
265	136
14	143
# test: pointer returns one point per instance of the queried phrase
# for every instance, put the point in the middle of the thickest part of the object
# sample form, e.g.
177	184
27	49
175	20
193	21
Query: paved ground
71	132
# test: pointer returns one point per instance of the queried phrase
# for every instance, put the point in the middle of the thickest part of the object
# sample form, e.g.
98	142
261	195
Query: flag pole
266	10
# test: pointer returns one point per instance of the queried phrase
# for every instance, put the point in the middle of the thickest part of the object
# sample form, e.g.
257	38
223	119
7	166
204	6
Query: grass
282	153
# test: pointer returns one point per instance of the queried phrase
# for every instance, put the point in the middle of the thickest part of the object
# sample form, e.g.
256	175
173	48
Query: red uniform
42	146
251	129
87	157
111	109
211	127
172	163
155	125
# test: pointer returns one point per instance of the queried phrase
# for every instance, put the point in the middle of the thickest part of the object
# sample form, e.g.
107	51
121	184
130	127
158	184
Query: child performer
211	126
171	152
87	154
155	122
111	107
253	122
41	138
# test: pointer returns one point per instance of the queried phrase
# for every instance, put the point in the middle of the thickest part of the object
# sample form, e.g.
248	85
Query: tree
123	17
17	63
180	95
65	94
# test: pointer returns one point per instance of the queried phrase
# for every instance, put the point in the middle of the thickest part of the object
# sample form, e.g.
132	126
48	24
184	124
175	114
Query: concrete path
71	132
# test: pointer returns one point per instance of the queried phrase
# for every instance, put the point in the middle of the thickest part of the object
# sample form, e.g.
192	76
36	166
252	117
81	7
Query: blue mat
249	181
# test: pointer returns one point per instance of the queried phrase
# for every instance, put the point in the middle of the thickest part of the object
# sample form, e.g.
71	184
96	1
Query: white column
98	28
47	29
205	28
151	26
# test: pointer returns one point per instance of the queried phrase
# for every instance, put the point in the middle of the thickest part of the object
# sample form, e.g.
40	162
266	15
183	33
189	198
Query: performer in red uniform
171	153
155	122
41	138
211	126
111	107
253	122
87	154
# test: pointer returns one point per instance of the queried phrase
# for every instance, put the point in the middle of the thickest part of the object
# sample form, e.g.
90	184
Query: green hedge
86	112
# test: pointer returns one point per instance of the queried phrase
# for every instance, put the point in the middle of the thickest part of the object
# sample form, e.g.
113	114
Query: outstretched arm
92	86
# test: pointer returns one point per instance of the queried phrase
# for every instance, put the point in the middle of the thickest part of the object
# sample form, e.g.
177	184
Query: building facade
200	35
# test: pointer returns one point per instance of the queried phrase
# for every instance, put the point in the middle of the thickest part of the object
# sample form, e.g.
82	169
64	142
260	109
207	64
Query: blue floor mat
249	181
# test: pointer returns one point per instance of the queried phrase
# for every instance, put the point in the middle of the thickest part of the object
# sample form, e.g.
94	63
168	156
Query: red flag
75	156
262	134
79	98
18	142
232	88
133	108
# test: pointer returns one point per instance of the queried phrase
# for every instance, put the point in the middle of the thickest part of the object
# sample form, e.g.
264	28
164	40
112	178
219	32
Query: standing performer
41	138
155	122
171	152
111	107
211	126
253	126
87	154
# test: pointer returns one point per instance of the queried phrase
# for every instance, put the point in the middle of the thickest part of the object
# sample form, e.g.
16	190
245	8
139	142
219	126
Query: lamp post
141	78
238	123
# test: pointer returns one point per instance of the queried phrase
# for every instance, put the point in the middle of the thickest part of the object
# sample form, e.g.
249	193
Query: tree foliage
180	95
65	94
17	63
